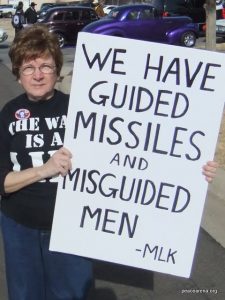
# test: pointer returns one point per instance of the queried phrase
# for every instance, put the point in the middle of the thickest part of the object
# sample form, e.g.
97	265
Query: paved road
120	283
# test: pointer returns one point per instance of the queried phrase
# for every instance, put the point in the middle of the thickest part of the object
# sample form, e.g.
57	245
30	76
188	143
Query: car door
72	21
76	19
130	24
55	21
150	26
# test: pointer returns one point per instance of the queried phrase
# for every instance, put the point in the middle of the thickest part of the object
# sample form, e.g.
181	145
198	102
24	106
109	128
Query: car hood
98	24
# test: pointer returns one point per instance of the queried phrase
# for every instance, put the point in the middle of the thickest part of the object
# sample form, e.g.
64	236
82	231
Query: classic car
66	21
144	22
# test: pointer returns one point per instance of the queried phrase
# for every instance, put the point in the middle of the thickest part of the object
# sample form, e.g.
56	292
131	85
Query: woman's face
38	78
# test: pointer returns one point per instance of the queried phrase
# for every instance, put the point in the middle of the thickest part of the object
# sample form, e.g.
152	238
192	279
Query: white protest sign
143	119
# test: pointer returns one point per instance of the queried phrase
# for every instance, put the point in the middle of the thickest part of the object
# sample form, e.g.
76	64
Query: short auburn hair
34	42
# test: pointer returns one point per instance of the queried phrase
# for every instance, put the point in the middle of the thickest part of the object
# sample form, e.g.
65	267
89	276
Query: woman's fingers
59	163
209	170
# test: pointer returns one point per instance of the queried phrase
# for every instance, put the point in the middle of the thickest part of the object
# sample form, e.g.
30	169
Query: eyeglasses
45	69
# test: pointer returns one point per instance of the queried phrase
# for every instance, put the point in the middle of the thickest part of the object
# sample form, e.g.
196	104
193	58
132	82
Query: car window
85	14
69	16
76	15
133	15
58	16
146	14
141	14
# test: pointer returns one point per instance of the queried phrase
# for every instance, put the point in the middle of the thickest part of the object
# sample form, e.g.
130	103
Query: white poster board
143	119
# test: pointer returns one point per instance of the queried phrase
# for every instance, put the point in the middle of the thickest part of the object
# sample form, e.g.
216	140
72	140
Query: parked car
67	21
191	8
220	28
7	10
143	22
195	9
3	35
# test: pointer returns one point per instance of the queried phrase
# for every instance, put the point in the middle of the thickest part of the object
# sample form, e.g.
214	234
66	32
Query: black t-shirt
30	132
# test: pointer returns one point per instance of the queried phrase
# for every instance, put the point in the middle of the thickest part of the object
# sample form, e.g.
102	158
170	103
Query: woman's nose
37	73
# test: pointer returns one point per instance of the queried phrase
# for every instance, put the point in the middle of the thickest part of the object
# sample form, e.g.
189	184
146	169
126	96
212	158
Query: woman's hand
58	163
209	170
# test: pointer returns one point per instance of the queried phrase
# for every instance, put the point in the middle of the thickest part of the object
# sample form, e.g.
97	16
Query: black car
67	21
191	8
194	9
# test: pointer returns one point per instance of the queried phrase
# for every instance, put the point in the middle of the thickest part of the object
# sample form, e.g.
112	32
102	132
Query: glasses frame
52	69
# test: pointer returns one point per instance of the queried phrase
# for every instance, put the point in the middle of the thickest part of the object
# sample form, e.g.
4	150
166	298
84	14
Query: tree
210	7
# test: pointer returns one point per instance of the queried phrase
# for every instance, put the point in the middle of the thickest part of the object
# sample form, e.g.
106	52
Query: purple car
143	22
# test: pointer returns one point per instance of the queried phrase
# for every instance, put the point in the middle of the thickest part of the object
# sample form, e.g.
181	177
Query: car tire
188	39
61	39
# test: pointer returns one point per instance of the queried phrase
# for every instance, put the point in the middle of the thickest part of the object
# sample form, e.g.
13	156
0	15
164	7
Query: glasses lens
28	70
46	69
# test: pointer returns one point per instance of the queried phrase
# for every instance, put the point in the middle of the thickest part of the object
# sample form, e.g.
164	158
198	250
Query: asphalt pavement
114	282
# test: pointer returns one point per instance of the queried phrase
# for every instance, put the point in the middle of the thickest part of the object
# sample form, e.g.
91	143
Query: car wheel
188	39
9	15
61	39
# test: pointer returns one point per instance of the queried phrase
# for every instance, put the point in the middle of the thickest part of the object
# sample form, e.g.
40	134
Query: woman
18	19
32	156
